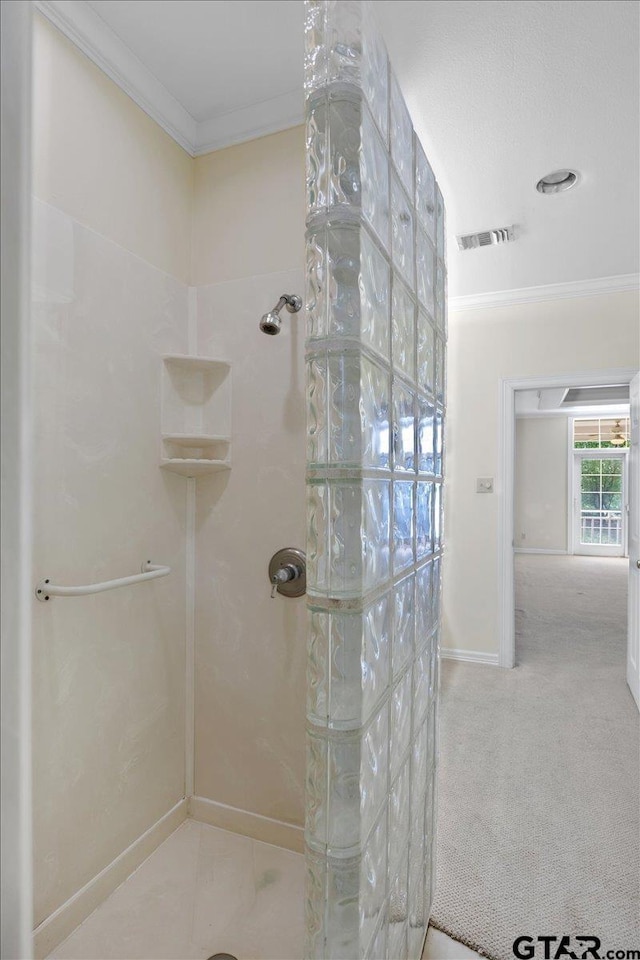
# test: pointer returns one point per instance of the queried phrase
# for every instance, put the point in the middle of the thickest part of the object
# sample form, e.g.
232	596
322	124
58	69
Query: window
601	433
601	487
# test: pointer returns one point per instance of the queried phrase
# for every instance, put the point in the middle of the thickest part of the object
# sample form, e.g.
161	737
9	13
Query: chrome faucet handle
287	573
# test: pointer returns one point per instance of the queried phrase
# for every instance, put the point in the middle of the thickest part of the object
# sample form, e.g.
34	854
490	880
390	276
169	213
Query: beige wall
536	339
251	650
108	670
246	223
541	483
98	157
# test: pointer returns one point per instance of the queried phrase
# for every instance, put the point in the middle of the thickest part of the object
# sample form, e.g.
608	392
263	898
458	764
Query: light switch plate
484	485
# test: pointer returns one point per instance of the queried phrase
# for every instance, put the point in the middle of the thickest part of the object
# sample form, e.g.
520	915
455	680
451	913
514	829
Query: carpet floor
538	812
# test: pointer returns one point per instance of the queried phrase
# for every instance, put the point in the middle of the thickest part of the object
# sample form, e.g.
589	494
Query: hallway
538	796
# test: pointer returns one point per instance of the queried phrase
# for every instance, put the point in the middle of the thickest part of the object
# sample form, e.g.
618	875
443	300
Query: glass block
419	779
439	442
345	534
374	409
426	425
360	649
425	193
421	684
437	517
318	652
440	372
424	623
314	903
403	624
398	916
374	296
316	286
374	175
343	822
343	39
400	722
378	947
404	438
401	135
317	410
424	515
343	909
435	592
402	524
317	538
344	186
426	272
375	533
402	232
399	817
316	791
418	919
426	353
315	57
375	72
403	314
440	226
373	880
345	442
376	650
316	157
440	295
374	769
341	280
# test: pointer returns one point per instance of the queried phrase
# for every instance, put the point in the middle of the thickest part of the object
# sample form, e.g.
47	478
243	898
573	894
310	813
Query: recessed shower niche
195	415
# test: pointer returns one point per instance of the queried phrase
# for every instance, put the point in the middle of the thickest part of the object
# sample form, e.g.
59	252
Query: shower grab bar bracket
45	590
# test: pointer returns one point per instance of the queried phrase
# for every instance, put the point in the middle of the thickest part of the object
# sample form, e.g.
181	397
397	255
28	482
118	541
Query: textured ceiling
500	92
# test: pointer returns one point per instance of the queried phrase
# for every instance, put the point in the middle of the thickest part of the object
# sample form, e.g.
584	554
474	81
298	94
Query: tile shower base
203	891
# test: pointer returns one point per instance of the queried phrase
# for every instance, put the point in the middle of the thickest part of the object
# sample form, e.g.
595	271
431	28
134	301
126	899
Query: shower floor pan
203	891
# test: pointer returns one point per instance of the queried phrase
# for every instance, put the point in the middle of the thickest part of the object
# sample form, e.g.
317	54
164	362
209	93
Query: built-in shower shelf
196	415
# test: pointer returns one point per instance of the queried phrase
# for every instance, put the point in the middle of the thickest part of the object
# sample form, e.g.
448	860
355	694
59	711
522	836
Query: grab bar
45	590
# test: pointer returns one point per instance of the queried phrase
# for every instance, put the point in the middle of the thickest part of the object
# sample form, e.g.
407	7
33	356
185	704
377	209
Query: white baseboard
559	553
77	908
469	656
248	824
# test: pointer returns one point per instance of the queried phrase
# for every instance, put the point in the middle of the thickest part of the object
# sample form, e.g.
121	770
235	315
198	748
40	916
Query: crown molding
551	291
248	123
82	25
89	32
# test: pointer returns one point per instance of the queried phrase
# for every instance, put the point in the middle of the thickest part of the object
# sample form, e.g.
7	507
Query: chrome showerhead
271	322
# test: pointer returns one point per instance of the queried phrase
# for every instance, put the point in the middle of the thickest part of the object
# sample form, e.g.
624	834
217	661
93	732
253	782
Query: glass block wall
376	331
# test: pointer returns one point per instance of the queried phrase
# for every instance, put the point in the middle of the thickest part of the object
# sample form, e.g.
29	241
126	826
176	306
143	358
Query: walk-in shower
235	751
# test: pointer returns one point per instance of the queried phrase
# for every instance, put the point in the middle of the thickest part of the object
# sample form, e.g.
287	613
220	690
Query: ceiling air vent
485	239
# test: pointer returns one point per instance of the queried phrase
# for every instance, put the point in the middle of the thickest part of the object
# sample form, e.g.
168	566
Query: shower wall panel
250	649
376	332
110	266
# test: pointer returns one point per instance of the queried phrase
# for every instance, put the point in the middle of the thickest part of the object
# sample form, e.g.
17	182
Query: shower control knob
288	573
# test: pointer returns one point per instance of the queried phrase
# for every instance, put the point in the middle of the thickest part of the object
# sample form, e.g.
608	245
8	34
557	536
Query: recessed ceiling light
557	182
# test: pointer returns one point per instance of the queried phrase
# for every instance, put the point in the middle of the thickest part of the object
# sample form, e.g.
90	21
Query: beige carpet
538	827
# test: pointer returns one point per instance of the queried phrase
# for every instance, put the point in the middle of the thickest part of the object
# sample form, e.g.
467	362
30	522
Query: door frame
505	485
16	887
574	479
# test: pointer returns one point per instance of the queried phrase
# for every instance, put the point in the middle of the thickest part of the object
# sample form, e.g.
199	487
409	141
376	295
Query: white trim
248	123
505	484
247	824
550	291
570	488
82	25
547	550
468	656
77	908
95	38
16	884
190	638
